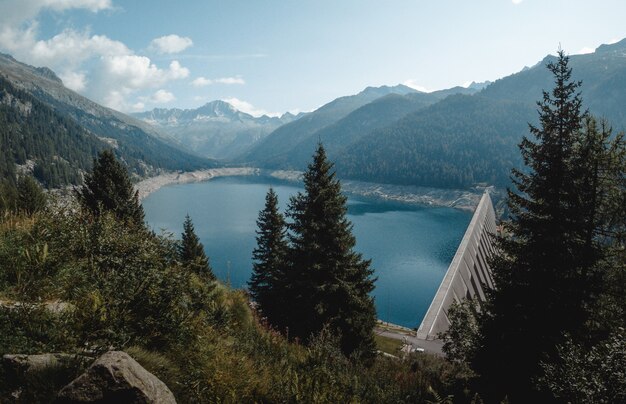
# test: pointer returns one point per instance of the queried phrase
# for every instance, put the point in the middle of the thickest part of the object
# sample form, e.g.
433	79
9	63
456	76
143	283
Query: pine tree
191	252
545	273
328	282
267	284
108	189
30	195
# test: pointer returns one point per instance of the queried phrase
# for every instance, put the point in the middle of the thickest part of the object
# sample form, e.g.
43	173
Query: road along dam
468	275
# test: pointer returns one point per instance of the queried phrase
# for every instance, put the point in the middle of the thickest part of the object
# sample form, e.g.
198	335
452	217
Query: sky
269	57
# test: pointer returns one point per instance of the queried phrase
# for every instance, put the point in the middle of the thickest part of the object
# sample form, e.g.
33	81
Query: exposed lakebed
410	246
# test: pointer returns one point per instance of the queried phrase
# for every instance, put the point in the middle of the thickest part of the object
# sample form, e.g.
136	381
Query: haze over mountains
216	129
453	138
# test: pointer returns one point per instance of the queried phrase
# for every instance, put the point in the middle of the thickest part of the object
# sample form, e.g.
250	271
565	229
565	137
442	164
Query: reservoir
410	246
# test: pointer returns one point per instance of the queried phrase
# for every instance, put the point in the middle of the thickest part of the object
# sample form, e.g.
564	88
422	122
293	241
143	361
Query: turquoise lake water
410	246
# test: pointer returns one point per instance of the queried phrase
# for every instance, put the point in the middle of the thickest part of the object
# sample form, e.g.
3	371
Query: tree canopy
108	188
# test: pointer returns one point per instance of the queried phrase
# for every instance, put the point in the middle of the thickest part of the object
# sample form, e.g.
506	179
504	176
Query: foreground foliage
87	284
550	330
312	272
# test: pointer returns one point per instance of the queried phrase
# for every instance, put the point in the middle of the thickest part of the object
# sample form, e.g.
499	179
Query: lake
410	246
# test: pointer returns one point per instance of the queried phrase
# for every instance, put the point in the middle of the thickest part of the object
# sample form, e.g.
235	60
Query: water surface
410	246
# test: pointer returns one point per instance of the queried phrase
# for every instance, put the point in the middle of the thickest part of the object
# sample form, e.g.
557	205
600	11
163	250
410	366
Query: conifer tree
328	282
30	195
545	274
267	284
191	252
108	189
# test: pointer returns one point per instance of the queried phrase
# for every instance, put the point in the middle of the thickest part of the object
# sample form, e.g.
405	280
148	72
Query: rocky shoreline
414	195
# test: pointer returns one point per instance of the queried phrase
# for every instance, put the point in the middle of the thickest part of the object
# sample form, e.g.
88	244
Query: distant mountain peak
384	90
48	73
219	108
619	46
478	86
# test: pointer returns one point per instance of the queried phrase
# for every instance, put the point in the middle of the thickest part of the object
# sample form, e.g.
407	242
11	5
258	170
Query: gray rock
115	377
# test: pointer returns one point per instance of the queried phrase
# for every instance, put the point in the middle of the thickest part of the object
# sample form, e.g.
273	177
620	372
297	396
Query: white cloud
76	81
10	14
248	108
203	81
585	51
230	80
516	2
138	106
162	97
101	68
613	41
413	84
170	44
177	71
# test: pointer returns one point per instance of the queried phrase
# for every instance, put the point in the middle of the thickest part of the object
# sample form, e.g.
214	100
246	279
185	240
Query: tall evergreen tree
108	189
191	252
267	284
545	274
329	283
30	195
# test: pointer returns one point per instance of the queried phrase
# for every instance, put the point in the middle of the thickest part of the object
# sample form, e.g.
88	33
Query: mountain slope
288	136
31	133
141	147
603	76
455	143
215	130
461	141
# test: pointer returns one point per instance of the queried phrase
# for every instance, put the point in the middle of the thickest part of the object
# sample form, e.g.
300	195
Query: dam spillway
468	275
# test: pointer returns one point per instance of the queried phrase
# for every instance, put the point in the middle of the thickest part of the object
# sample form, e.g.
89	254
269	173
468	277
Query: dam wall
468	275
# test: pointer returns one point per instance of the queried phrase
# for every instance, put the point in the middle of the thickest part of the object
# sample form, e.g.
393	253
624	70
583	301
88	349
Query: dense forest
456	143
31	131
442	139
59	131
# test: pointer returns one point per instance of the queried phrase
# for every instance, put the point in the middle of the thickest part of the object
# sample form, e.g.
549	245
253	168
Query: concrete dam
468	275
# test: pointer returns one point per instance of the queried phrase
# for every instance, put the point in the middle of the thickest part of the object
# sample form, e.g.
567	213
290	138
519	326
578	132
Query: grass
388	345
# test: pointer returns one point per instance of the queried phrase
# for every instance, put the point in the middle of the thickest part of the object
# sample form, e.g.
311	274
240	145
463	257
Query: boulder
115	377
37	378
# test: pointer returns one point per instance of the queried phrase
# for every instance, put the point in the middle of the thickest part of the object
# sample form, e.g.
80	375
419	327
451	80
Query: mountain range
453	138
216	129
37	110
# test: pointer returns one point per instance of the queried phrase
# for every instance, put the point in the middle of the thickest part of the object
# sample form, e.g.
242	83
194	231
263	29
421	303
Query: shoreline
413	195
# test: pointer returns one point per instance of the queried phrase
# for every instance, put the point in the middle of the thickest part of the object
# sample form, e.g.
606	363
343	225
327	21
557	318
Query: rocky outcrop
115	377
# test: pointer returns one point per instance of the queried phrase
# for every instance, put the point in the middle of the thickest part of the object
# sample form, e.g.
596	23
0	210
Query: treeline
553	329
91	277
60	141
31	131
456	143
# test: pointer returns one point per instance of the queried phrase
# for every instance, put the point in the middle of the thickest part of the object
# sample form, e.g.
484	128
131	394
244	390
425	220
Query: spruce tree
545	275
267	284
191	252
108	189
328	282
30	195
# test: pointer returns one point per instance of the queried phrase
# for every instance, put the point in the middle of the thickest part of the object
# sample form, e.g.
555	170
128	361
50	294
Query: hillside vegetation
82	281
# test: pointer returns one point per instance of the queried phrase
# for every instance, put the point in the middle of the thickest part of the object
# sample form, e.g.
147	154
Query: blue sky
276	56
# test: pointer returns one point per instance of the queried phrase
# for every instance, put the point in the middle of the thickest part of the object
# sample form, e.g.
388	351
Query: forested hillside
455	143
458	142
285	138
142	149
30	131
